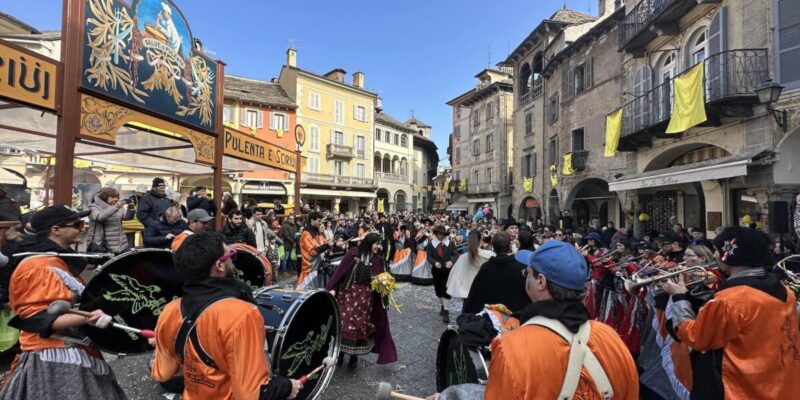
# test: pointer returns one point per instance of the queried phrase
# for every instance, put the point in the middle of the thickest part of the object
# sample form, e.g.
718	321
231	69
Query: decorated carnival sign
27	77
143	55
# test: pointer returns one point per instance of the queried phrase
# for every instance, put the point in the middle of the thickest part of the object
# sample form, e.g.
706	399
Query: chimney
336	75
358	80
606	7
291	58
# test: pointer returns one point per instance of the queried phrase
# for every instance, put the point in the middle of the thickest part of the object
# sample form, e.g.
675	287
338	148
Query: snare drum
457	363
302	329
252	267
133	288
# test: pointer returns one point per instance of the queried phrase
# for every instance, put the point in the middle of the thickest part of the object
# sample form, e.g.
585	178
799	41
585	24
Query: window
314	101
387	137
577	140
489	143
313	138
457	132
528	165
489	111
338	111
475	176
476	147
338	138
278	122
359	113
313	165
361	170
404	140
229	115
377	134
552	110
553	151
718	69
396	139
788	43
252	118
337	168
458	153
528	124
582	77
476	116
489	175
697	49
361	146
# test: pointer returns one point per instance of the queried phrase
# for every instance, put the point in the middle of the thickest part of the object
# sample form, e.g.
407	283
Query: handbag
101	247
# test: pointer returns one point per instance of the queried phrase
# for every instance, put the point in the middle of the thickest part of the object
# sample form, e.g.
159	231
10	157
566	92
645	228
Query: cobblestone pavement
416	331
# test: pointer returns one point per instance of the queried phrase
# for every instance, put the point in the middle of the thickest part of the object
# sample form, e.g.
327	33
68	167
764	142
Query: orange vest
529	363
307	245
232	332
178	240
758	335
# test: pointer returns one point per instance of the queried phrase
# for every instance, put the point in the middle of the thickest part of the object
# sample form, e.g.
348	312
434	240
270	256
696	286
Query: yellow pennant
380	205
553	175
613	132
447	185
690	105
528	184
463	185
567	170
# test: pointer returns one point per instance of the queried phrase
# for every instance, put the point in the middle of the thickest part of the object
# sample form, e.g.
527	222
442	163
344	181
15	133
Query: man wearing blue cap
559	353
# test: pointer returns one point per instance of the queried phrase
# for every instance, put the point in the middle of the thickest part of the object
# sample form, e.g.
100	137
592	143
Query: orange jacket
529	363
35	283
308	245
758	337
232	332
178	240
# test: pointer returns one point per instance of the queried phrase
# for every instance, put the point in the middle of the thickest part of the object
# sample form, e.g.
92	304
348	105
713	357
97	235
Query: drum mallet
385	393
59	307
326	363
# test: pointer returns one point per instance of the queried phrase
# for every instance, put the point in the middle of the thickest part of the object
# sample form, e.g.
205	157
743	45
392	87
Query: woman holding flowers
365	323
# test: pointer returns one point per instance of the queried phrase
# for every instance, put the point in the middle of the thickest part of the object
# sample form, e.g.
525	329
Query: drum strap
188	331
579	356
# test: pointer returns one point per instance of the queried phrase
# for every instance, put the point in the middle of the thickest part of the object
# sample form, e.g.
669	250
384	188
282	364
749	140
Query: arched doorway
400	200
85	184
553	209
383	194
590	199
529	207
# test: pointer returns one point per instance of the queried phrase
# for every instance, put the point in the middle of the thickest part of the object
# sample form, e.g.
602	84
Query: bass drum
457	363
133	289
252	267
303	328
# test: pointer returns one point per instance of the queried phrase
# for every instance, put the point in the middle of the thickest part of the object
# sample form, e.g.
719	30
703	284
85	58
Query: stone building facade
393	158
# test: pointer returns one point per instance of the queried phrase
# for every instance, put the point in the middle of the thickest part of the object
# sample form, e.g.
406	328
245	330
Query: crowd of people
590	314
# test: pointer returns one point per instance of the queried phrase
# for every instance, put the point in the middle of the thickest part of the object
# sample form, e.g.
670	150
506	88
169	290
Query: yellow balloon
746	220
643	217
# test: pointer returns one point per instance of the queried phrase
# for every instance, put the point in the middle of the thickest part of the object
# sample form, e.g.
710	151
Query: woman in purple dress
365	324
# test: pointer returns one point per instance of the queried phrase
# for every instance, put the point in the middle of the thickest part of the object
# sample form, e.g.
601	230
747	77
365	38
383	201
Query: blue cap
594	236
559	262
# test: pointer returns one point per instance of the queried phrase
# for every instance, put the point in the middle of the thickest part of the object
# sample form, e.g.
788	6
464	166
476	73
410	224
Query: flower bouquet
385	285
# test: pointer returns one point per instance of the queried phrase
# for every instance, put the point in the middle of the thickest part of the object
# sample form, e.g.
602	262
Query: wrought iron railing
388	177
579	159
338	180
340	150
729	75
639	18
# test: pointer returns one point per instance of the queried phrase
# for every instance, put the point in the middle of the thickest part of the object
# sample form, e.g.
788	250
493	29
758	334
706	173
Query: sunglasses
230	256
77	225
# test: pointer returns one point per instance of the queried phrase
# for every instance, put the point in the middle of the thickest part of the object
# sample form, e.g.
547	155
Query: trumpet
698	275
606	257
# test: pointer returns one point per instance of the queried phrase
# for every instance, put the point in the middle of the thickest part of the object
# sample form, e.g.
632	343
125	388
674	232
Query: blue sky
417	54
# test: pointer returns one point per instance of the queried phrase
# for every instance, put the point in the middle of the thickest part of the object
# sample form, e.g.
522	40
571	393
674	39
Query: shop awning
8	178
337	193
482	200
721	168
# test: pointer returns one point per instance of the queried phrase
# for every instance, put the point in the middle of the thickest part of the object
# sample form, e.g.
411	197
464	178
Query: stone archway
590	199
400	200
553	208
529	207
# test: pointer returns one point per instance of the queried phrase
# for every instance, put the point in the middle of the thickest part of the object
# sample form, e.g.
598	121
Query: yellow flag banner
336	207
613	132
568	164
463	185
553	175
690	105
528	184
447	185
380	205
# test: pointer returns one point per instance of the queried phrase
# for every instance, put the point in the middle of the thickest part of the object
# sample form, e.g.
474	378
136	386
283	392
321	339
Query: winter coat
105	221
242	234
288	233
152	207
229	205
500	281
203	203
9	209
155	235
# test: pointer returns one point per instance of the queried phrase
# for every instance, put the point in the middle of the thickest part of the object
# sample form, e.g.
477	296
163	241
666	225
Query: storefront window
745	208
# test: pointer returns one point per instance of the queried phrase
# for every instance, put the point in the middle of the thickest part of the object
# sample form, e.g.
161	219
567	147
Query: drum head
312	332
133	289
457	363
250	268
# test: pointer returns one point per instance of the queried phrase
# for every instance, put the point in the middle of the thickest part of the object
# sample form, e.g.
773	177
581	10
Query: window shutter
588	73
788	43
567	83
285	122
533	163
522	167
355	112
716	66
243	119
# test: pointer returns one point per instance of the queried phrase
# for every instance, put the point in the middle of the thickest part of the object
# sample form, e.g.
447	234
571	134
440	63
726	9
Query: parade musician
312	244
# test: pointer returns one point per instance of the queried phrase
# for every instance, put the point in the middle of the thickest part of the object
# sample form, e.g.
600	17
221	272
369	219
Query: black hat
56	215
743	247
668	237
510	222
524	228
158	182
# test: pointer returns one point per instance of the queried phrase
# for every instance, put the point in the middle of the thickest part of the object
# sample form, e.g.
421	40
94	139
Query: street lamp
768	94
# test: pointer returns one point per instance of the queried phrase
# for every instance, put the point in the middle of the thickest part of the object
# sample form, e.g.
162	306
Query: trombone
698	276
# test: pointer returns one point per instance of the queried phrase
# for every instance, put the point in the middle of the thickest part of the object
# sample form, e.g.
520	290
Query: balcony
731	79
338	181
650	19
387	177
340	151
533	93
579	158
487	187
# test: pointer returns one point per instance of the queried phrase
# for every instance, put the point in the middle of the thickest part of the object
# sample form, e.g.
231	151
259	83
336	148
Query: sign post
300	139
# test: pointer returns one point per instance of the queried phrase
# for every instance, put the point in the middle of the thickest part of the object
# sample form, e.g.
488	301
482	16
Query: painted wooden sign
26	77
249	148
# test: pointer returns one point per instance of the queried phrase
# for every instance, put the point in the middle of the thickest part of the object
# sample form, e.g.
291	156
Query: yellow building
338	119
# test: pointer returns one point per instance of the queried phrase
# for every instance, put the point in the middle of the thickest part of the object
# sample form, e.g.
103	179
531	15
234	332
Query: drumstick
385	393
67	255
326	362
59	307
